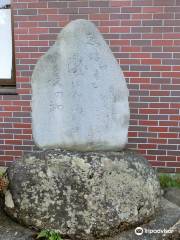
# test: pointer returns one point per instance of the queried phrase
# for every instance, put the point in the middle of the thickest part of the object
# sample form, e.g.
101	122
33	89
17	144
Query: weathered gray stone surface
175	229
166	218
173	195
79	94
9	230
84	195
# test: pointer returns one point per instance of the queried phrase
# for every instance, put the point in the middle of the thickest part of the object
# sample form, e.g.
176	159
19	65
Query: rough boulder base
79	94
83	195
10	230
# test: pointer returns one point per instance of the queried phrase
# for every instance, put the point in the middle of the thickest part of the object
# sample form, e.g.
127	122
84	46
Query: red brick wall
144	36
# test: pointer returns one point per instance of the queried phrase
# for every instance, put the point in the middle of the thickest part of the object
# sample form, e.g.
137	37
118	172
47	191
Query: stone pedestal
83	195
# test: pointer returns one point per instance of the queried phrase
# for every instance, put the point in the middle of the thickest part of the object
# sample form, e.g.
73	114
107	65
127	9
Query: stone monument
80	97
82	183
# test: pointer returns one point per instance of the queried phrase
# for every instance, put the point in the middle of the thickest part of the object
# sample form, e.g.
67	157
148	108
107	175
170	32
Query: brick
119	29
153	9
166	170
173	164
99	3
99	16
148	123
150	87
23	137
132	146
119	42
28	12
120	16
156	152
158	129
22	125
141	42
131	74
138	116
164	3
14	153
141	29
130	36
163	16
173	152
140	80
37	5
130	49
152	35
142	16
172	9
138	128
140	68
131	9
175	118
170	99
159	93
167	147
151	61
142	3
6	158
168	111
148	111
174	141
5	114
172	23
157	141
162	42
170	74
13	142
175	68
150	74
158	117
147	146
68	11
170	61
166	158
57	17
156	163
137	140
149	99
171	35
132	134
140	55
147	134
150	158
152	22
48	11
87	10
109	22
78	4
120	3
23	148
55	4
161	68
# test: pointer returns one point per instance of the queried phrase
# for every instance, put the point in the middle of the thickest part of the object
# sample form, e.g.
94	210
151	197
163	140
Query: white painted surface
80	97
5	44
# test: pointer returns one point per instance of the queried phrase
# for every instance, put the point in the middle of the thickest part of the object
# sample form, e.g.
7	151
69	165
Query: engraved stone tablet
79	94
